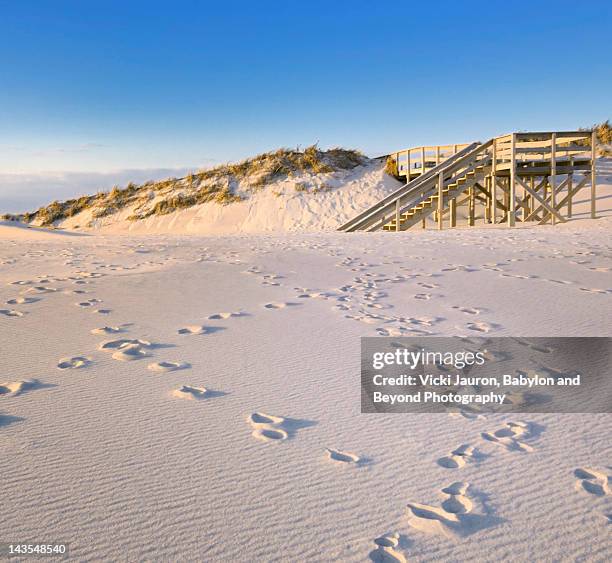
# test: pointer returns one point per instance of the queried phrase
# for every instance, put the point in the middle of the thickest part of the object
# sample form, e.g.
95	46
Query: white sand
269	458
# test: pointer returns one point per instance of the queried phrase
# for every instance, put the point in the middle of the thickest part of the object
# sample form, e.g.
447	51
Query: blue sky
96	92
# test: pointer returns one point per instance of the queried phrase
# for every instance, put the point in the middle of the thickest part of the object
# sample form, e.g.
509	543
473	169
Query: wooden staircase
451	191
427	193
505	166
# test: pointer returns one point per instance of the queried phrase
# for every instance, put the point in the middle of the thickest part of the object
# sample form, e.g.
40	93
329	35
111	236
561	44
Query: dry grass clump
604	134
267	167
57	211
215	192
391	166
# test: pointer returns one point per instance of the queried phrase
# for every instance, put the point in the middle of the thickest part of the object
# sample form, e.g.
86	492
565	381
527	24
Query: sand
190	398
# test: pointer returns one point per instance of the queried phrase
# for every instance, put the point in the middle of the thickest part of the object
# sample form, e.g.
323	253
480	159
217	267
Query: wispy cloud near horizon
21	192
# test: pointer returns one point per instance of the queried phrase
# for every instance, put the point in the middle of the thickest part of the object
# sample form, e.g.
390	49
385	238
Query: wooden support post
529	198
593	174
553	174
471	206
545	188
440	199
437	155
512	187
422	160
506	184
397	215
570	181
488	200
525	200
453	212
423	222
494	181
408	164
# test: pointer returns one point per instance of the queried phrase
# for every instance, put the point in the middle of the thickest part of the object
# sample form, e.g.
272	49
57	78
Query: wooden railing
542	148
417	160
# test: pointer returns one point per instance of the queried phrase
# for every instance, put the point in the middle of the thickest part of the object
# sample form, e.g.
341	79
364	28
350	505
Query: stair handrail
401	190
414	185
422	196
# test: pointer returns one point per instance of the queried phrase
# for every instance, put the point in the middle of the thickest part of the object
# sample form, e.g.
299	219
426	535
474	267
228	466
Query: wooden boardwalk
524	177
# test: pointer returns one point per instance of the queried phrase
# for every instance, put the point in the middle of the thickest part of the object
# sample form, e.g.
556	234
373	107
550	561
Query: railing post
453	212
494	181
471	204
422	160
553	174
440	199
570	187
437	155
408	164
397	215
487	181
512	187
593	174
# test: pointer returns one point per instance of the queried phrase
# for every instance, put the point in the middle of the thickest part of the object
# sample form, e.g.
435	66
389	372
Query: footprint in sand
593	482
515	276
342	457
21	301
279	305
75	362
596	290
458	457
468	310
267	427
480	327
11	313
130	352
190	392
88	303
561	282
385	551
467	414
423	296
106	330
122	342
40	289
18	387
127	349
102	311
508	437
453	518
601	269
225	316
194	329
393	331
167	366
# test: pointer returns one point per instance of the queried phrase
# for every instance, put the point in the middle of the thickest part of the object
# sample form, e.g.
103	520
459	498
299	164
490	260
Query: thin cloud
76	149
28	191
